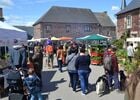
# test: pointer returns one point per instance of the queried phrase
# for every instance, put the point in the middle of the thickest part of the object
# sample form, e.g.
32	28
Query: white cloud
20	20
29	23
43	1
6	3
115	8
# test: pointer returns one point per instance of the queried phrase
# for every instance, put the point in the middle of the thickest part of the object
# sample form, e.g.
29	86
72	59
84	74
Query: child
33	84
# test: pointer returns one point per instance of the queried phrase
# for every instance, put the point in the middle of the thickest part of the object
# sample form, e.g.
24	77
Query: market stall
55	38
95	50
10	36
65	38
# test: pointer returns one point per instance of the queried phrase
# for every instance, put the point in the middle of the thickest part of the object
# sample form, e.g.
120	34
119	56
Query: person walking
50	54
82	65
130	52
112	70
38	61
73	74
60	57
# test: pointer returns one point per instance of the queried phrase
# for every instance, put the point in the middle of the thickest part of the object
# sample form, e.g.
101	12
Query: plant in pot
121	54
129	67
96	60
137	55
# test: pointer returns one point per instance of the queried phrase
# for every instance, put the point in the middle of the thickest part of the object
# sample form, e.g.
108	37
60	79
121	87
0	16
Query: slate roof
68	15
134	4
104	19
28	29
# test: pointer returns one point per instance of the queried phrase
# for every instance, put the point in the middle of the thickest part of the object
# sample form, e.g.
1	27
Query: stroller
15	87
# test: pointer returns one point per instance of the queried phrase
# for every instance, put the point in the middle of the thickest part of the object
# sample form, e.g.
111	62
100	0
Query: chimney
123	5
1	15
105	12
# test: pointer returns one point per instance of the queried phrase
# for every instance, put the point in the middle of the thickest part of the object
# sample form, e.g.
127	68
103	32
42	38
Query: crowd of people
29	64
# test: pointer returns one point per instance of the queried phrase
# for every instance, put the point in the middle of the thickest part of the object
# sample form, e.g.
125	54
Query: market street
56	86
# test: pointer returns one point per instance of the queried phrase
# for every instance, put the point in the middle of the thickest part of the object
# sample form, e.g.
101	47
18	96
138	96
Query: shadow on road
48	85
92	87
45	97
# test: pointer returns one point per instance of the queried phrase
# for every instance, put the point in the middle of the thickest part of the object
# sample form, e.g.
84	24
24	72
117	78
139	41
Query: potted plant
96	54
96	60
129	67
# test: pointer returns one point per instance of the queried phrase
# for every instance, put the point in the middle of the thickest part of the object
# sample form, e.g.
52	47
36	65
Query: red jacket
115	63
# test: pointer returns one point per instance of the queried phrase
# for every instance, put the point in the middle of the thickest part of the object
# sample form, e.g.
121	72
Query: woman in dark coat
38	61
82	65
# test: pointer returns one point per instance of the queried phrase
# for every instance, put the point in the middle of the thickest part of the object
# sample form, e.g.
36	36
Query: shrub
96	58
118	43
121	53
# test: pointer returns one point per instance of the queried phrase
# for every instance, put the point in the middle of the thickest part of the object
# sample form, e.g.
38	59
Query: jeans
50	60
114	77
130	58
60	65
83	75
36	96
73	79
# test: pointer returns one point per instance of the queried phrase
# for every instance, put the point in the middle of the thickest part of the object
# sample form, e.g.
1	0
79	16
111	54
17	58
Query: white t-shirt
130	51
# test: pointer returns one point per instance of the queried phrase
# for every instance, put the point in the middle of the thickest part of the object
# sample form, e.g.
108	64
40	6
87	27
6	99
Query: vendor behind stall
18	57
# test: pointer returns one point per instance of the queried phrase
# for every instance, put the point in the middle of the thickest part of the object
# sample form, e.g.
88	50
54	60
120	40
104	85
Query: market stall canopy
10	35
83	38
54	38
93	37
65	38
104	36
37	40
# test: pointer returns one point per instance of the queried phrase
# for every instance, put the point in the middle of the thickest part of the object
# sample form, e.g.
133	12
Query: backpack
107	62
102	86
49	49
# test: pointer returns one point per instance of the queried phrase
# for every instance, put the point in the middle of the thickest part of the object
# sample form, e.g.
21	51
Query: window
68	27
128	21
48	28
87	28
108	33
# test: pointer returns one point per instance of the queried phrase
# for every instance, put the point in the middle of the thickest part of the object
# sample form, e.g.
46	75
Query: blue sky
26	12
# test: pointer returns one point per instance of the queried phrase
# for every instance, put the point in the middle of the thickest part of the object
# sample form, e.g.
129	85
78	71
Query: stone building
128	19
73	22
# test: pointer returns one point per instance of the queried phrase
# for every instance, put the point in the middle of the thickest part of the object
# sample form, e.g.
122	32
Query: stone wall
76	30
121	23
